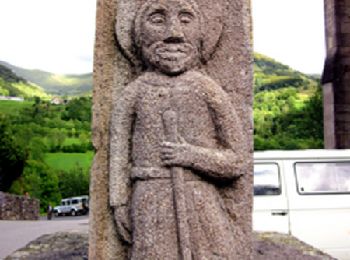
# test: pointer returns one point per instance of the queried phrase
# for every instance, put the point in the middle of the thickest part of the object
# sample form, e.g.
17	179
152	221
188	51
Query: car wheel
73	213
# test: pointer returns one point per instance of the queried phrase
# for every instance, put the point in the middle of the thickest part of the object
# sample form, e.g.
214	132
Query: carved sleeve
228	161
120	136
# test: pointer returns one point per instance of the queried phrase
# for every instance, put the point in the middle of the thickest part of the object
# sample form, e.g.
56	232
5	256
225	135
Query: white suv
73	206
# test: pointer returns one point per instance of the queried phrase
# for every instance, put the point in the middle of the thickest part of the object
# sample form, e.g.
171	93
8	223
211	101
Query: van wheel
73	213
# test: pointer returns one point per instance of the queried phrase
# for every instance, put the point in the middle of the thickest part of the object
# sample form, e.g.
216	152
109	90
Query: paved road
16	234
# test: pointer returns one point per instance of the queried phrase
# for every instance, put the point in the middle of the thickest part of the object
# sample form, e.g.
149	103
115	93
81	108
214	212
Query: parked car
306	194
73	206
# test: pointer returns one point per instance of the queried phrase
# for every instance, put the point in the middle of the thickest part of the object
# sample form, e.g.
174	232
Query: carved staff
178	182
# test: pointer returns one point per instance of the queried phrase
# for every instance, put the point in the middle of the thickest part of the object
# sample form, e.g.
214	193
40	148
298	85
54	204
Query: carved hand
176	154
122	220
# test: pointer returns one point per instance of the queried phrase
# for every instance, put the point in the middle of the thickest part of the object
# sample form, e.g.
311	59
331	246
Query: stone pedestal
230	65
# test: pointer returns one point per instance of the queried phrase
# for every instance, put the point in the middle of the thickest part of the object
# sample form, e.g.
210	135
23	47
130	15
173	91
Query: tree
74	182
12	156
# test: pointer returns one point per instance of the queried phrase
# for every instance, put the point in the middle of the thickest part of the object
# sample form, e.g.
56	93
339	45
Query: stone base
272	246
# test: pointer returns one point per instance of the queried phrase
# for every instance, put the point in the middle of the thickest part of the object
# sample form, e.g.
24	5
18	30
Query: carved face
170	35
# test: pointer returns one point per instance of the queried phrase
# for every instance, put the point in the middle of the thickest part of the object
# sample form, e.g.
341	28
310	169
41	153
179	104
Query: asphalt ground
16	234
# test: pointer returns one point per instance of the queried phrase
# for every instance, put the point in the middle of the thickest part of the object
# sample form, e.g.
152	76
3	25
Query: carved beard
171	58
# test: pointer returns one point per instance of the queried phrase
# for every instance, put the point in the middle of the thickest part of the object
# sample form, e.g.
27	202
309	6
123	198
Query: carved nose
175	34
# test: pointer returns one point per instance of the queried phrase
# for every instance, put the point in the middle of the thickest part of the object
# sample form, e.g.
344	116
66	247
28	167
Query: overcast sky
58	35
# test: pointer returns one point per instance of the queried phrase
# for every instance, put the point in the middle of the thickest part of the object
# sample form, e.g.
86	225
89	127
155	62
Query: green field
70	141
10	107
67	161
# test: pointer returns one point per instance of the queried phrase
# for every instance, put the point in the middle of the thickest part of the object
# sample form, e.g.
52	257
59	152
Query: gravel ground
17	234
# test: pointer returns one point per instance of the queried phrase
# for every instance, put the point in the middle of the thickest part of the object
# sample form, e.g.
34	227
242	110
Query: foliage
78	109
40	181
74	181
281	123
41	127
67	161
12	155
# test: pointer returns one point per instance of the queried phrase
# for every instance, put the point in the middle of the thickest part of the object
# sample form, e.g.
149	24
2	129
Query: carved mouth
173	52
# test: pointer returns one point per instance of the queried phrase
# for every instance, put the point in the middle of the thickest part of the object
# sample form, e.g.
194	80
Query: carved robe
207	121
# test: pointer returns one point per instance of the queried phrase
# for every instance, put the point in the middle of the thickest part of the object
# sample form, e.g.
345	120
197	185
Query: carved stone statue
175	143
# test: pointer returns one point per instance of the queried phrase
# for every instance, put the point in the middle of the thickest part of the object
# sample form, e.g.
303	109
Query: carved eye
157	18
186	17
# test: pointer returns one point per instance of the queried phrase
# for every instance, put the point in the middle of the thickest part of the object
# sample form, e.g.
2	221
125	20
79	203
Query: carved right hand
122	220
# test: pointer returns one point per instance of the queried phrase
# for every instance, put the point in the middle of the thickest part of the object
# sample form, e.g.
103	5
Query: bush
74	182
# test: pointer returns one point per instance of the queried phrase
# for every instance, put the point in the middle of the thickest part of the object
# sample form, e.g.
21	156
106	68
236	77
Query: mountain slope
268	75
271	75
55	83
13	85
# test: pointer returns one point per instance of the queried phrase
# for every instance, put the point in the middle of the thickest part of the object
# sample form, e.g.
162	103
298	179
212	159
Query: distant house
58	101
19	99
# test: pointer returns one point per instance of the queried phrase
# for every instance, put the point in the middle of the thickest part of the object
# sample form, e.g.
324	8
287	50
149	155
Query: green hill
71	85
287	107
13	85
270	75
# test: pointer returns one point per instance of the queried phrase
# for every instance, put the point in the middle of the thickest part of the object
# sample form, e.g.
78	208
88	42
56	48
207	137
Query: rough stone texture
336	75
13	207
227	66
68	246
62	245
275	246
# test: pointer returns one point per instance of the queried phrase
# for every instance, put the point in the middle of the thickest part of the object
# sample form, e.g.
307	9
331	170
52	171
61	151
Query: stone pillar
336	75
230	65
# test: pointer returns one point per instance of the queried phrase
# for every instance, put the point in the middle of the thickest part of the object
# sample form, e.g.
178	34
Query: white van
305	193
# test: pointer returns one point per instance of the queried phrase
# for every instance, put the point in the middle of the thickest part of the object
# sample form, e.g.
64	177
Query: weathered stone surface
62	245
13	207
336	74
275	246
221	78
68	246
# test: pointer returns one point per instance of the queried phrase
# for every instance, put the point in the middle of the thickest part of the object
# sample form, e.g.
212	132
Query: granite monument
179	146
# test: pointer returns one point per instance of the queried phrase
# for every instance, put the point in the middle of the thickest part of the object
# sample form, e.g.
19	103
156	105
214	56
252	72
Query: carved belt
146	173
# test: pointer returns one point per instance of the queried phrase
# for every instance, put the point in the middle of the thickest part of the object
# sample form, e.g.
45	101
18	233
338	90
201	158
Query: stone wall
336	76
14	207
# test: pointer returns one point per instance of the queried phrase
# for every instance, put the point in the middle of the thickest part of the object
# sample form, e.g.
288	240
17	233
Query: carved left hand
176	154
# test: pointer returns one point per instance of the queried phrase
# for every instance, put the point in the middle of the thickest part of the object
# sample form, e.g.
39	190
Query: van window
75	201
323	177
266	179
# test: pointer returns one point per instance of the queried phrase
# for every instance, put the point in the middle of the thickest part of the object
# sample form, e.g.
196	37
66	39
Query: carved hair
128	23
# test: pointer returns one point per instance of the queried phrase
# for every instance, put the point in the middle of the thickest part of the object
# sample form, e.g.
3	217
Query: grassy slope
9	107
67	161
13	85
268	75
54	83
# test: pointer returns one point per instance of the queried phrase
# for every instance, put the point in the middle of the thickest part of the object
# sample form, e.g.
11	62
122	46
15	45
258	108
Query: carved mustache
172	51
